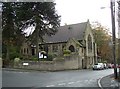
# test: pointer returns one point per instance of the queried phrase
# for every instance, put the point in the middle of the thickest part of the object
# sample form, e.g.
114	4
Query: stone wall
66	63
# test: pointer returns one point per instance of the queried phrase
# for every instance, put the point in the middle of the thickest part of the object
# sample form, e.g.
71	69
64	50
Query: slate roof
66	32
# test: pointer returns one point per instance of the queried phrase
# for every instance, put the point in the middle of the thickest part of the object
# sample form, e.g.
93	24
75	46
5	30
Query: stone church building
78	38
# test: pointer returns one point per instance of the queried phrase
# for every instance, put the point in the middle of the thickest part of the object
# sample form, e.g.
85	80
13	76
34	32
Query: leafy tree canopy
18	16
103	40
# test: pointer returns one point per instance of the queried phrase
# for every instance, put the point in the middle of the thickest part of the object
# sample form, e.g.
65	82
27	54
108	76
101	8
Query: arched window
89	43
24	51
27	51
71	48
55	48
46	48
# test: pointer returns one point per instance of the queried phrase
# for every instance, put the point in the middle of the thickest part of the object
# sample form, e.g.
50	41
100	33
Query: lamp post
112	3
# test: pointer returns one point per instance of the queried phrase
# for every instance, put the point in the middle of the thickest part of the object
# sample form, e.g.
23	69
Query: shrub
34	58
54	55
14	55
50	57
66	52
16	61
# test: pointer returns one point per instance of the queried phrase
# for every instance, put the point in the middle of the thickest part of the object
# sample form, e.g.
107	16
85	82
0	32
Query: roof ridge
74	24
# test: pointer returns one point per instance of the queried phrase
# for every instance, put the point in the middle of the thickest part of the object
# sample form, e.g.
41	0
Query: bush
34	58
16	61
54	55
50	57
66	52
14	55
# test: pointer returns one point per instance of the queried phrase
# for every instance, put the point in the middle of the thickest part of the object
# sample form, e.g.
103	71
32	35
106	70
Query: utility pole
119	36
119	30
112	3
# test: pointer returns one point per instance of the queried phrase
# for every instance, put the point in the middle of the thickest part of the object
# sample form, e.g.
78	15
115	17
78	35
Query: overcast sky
76	11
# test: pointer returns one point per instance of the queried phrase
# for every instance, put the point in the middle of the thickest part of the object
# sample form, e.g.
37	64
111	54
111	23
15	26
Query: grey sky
76	11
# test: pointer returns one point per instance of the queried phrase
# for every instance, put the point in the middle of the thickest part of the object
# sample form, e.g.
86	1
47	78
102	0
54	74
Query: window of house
63	46
55	48
89	43
27	50
71	48
21	51
24	50
41	47
46	48
33	51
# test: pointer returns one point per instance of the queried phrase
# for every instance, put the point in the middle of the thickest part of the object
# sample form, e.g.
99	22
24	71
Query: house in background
78	38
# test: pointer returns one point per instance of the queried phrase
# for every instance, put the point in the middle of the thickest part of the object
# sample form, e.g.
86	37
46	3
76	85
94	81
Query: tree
44	18
103	40
9	33
18	16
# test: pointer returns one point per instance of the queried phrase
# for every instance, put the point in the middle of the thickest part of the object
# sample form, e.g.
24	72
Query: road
72	78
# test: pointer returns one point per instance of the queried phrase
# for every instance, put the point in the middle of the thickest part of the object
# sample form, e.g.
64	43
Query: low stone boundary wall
66	63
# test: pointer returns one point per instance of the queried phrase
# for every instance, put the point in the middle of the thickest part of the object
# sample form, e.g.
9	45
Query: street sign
25	64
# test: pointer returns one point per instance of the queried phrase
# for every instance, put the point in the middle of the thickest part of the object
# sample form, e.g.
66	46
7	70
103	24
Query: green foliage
103	40
14	53
118	60
17	16
66	52
34	58
53	55
16	59
50	57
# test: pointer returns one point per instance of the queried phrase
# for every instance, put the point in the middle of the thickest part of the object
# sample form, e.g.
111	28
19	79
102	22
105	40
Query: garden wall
66	63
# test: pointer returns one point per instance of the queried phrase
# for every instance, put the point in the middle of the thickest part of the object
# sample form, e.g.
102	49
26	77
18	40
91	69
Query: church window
71	48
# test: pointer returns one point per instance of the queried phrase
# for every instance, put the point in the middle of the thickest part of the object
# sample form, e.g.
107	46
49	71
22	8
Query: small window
63	46
46	48
71	48
89	43
55	48
33	51
27	51
24	50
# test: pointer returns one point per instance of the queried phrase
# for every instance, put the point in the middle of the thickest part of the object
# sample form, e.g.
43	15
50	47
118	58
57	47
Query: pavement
108	82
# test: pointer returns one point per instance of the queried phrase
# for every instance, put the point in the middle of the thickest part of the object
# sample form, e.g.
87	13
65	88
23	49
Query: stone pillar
50	49
59	49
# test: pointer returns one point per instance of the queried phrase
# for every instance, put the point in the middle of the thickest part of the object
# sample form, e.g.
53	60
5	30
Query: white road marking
78	81
50	86
71	82
61	84
86	80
